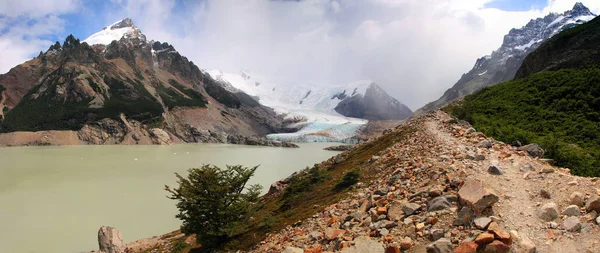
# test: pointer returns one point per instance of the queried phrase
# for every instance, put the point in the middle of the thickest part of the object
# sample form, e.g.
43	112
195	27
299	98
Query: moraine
54	199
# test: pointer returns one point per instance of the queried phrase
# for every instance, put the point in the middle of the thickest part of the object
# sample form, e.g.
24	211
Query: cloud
415	49
24	24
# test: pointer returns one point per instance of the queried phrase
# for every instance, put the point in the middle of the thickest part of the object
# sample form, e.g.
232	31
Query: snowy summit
118	30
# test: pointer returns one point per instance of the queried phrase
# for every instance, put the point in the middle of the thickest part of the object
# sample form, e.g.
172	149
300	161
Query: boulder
475	196
572	210
572	224
485	144
364	244
110	240
495	169
534	150
482	222
549	212
497	247
410	208
276	188
395	211
484	238
438	203
466	247
442	245
593	203
576	198
526	246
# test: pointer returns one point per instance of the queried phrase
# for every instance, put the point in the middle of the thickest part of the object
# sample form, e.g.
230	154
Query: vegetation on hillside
49	112
560	110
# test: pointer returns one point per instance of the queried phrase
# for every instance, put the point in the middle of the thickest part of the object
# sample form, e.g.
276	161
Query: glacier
310	106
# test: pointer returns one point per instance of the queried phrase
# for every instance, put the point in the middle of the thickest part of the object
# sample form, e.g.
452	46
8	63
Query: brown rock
496	247
392	249
332	221
545	194
365	205
498	232
466	247
381	210
526	246
484	238
474	195
406	243
394	211
331	233
593	204
576	198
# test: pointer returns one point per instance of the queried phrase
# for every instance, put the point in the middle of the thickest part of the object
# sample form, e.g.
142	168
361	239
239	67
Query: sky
414	49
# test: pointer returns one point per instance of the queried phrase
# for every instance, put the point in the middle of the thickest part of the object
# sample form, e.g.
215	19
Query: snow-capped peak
120	29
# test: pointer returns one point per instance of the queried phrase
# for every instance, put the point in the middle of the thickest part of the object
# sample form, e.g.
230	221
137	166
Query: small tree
212	201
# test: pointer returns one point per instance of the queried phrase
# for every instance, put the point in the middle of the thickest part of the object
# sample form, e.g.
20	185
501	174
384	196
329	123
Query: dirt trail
520	198
414	203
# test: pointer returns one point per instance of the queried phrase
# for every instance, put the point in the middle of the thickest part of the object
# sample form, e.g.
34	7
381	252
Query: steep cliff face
122	86
502	64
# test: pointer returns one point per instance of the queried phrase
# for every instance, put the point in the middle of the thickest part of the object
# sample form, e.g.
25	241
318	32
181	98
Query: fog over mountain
413	49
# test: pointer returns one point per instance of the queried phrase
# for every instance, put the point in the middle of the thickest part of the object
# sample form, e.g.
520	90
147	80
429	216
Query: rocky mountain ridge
503	63
129	91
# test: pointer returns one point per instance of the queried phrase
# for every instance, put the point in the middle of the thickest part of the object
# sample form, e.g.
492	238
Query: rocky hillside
503	63
434	184
118	87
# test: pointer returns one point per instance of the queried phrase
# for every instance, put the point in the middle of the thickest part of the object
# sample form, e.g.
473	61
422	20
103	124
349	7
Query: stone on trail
572	210
110	240
364	244
534	150
406	243
410	208
526	246
466	247
394	211
549	212
474	195
545	194
485	144
484	238
576	198
442	245
497	247
572	224
593	204
438	203
495	169
479	158
293	250
482	222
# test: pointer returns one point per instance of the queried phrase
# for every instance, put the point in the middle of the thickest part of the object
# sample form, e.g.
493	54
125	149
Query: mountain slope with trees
555	102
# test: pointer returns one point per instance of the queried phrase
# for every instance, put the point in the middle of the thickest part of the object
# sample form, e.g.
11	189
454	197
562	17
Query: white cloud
23	23
415	49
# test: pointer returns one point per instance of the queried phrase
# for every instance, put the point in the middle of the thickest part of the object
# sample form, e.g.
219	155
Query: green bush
560	110
212	202
349	179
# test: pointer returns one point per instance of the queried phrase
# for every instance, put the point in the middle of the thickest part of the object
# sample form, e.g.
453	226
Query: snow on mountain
120	29
312	106
504	62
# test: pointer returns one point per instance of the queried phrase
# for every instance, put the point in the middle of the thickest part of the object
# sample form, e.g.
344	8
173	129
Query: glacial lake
54	199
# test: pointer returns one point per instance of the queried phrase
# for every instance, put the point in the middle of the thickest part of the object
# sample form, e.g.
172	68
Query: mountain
554	101
118	87
503	63
321	112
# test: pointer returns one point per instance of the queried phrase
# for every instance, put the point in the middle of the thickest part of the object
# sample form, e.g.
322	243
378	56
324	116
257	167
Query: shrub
213	201
349	179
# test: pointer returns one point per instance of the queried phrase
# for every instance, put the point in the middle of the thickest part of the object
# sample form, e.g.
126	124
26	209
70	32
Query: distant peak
580	7
121	29
127	22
